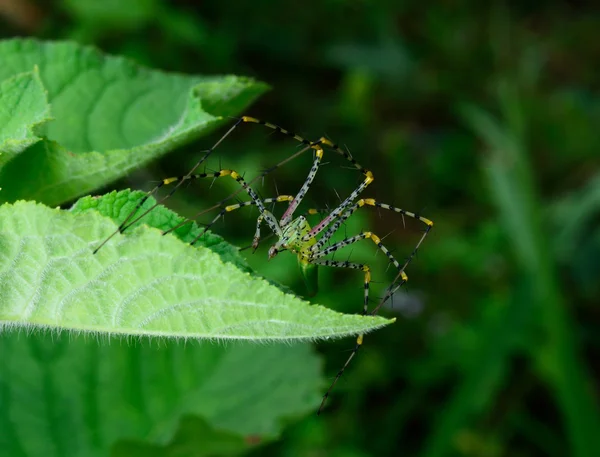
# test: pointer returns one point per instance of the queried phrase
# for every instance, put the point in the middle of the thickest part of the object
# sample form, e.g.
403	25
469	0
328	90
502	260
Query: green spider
295	234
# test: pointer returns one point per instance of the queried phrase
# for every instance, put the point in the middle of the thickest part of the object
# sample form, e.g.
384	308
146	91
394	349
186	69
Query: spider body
291	239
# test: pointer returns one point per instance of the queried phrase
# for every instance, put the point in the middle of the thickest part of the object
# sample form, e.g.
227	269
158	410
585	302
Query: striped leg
359	339
287	216
180	180
401	277
230	208
353	239
359	204
245	119
340	209
318	253
266	214
324	141
308	145
270	219
233	194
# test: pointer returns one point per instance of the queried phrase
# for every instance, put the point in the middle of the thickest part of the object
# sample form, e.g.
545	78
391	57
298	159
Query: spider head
273	251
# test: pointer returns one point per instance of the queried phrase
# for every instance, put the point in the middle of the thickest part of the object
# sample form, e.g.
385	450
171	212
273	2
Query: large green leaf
141	284
23	108
88	396
77	396
110	116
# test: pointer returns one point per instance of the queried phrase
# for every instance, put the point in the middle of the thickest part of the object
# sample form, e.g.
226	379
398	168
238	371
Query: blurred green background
483	118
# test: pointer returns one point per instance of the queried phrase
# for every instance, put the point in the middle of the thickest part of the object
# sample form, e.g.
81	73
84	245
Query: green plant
71	120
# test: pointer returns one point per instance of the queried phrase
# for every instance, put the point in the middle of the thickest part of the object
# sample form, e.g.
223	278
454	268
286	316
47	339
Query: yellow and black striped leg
316	145
165	182
256	200
372	202
344	206
322	141
359	339
353	239
179	180
271	221
230	208
288	215
400	279
339	245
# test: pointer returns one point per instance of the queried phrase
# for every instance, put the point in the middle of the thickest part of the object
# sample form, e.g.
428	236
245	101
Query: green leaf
142	284
76	396
118	205
195	437
111	116
23	107
130	397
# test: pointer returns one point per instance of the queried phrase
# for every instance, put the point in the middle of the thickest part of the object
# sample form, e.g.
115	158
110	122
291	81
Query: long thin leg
309	145
395	285
256	200
287	216
359	339
359	204
230	208
316	258
245	119
125	224
268	217
233	194
340	209
324	141
401	277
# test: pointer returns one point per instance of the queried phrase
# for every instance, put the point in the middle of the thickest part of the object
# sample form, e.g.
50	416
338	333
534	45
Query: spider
296	234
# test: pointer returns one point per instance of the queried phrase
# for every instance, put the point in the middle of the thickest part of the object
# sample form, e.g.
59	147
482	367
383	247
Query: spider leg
318	253
323	141
287	216
179	180
256	200
230	208
347	203
359	339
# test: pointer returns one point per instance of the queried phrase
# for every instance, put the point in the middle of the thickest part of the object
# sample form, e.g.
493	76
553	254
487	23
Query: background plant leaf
88	395
111	116
193	437
23	108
